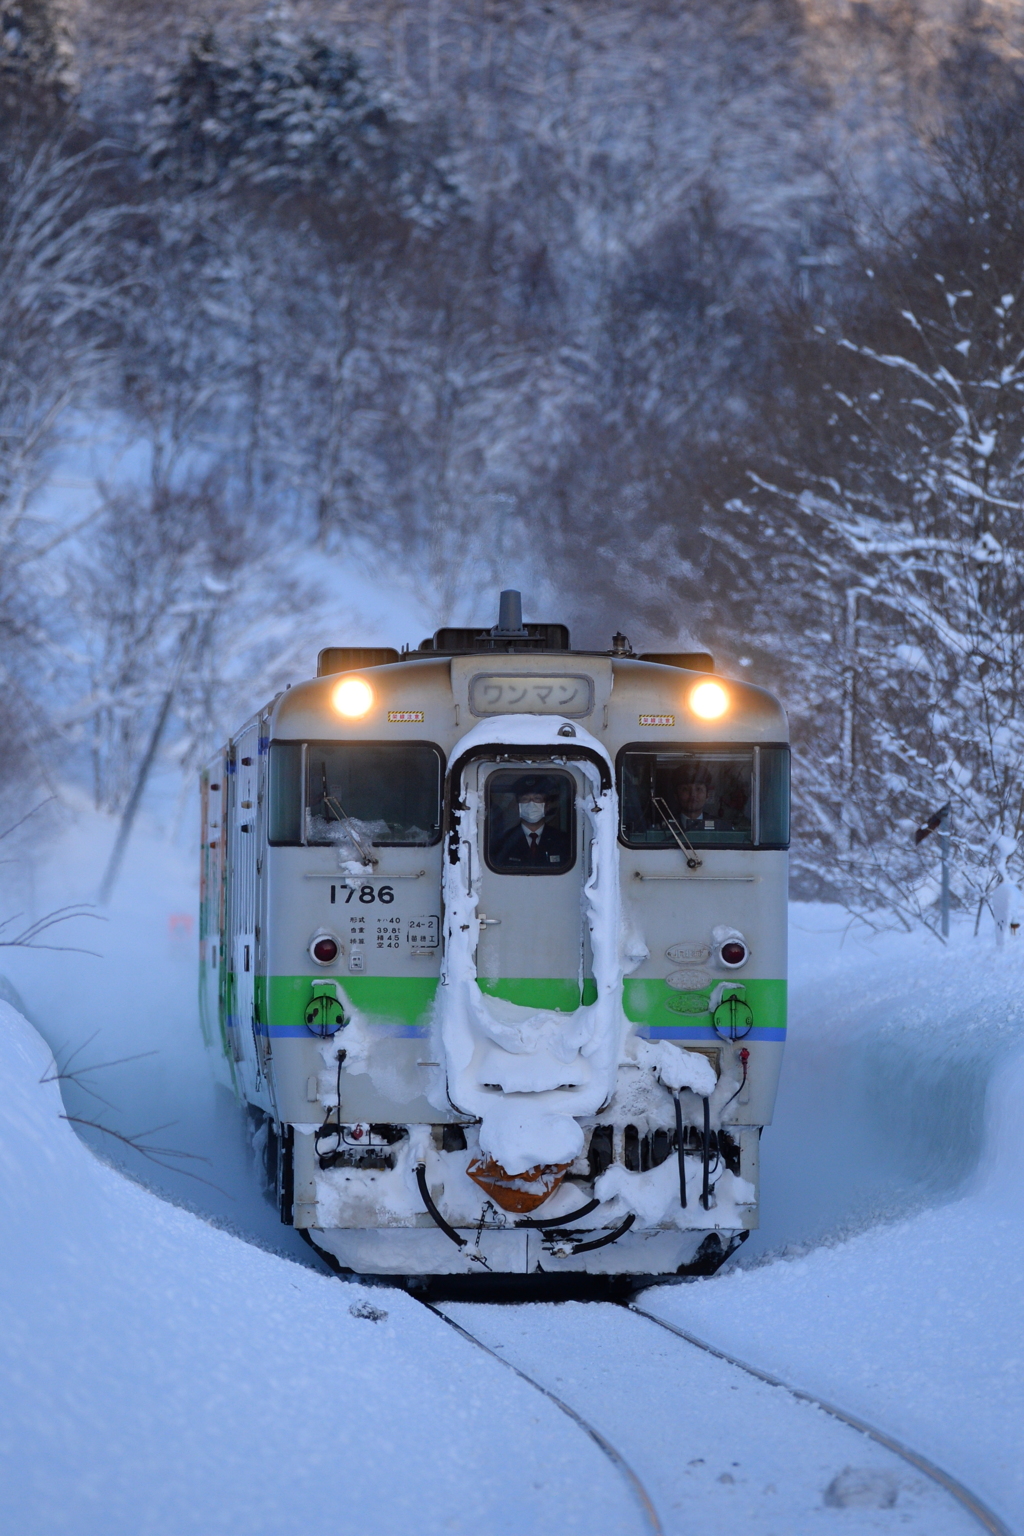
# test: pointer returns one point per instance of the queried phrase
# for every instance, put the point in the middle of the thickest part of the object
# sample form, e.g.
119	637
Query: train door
212	959
242	775
534	848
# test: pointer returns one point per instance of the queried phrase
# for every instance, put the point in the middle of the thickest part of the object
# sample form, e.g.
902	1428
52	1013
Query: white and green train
493	935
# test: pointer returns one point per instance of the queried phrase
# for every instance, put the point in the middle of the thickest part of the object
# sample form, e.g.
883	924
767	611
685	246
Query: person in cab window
733	805
533	842
692	789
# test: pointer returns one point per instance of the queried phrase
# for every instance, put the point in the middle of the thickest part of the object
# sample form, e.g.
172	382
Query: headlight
352	697
709	700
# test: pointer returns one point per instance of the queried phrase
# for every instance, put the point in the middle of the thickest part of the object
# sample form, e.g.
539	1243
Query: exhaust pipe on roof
510	615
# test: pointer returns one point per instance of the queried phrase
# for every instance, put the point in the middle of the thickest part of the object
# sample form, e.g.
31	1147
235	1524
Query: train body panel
476	913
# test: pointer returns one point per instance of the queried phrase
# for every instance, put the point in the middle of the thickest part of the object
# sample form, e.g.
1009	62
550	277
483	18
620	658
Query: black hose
421	1180
705	1194
559	1221
744	1059
680	1154
609	1237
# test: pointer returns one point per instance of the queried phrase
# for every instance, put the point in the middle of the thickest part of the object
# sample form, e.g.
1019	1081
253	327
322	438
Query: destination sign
504	693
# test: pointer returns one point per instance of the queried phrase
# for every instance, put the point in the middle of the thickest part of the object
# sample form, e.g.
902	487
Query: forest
704	324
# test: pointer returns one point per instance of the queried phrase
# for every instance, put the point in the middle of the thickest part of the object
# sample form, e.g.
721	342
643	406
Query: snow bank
163	1378
915	1324
133	1001
893	1041
999	1179
916	1327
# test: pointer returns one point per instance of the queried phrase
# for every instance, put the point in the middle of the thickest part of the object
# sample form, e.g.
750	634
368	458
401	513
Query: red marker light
734	953
325	950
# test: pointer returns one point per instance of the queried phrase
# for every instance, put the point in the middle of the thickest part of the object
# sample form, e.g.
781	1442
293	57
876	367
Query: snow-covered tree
176	609
36	58
892	548
56	320
290	114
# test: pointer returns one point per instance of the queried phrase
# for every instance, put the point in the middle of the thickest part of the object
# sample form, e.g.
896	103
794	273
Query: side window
774	828
530	822
284	820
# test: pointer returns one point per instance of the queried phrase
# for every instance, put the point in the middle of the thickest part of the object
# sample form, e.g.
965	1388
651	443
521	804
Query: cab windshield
355	794
716	796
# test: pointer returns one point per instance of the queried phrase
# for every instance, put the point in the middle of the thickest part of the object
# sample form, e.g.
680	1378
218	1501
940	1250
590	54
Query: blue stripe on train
300	1032
705	1032
645	1031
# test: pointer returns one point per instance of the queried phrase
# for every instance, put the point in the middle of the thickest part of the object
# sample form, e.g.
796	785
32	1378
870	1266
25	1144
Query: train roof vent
509	634
343	658
691	661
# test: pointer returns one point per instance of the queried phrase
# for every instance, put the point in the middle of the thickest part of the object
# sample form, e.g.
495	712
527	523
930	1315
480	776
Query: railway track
644	1502
667	1423
976	1507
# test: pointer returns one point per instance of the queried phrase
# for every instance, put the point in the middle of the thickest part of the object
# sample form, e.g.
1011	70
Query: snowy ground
164	1376
136	997
716	1450
916	1325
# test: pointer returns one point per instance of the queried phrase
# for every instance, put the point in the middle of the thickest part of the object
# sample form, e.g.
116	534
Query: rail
975	1506
649	1514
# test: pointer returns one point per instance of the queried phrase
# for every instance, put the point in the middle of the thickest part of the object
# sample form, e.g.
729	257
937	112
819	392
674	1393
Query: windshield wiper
661	806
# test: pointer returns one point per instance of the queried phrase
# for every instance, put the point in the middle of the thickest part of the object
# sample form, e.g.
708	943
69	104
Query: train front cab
400	1174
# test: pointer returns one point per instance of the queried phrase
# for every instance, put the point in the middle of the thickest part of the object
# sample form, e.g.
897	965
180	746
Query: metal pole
846	744
944	847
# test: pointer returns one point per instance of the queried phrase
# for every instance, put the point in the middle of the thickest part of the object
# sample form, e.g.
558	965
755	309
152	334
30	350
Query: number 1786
368	894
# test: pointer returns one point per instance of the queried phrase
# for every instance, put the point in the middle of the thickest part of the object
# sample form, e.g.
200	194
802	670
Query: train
493	949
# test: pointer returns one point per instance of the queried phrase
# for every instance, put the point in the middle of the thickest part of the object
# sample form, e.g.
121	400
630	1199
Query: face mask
531	811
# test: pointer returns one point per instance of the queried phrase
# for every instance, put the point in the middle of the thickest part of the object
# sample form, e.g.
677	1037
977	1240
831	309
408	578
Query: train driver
533	841
692	789
702	804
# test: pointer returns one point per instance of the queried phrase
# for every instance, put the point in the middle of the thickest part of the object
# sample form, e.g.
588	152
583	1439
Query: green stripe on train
656	1003
407	999
404	999
554	993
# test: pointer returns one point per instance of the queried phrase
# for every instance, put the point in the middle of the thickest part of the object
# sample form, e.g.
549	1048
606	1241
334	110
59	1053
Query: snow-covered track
975	1506
649	1514
717	1448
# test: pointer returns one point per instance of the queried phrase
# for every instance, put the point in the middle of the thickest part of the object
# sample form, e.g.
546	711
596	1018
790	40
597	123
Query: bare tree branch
157	1155
26	939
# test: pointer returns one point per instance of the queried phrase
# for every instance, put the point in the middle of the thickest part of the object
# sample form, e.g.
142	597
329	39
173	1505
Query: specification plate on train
505	693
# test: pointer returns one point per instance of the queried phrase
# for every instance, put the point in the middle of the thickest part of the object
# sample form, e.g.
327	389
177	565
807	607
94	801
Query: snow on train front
493	936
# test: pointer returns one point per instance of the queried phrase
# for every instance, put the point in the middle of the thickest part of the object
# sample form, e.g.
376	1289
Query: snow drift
914	1323
163	1378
